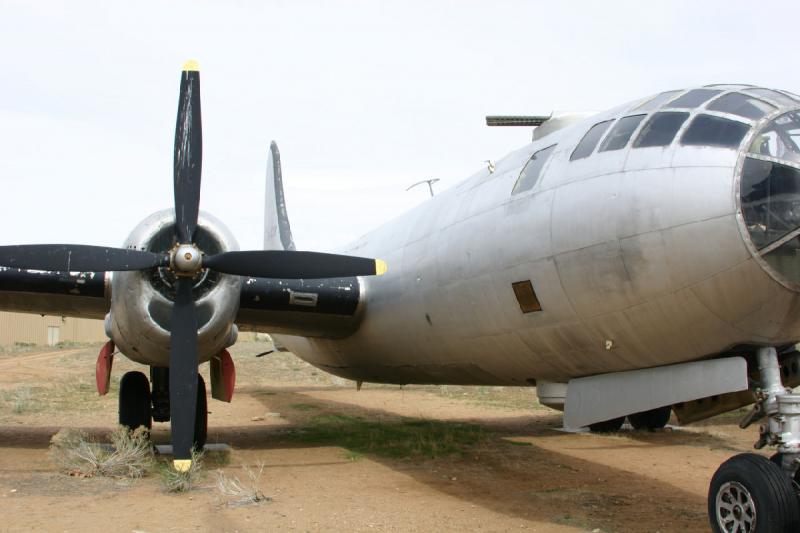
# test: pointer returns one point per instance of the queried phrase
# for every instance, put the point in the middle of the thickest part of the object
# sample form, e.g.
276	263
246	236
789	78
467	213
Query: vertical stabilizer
277	232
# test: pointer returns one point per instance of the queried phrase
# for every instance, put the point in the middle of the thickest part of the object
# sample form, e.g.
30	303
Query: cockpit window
742	105
780	139
532	170
770	194
694	98
660	129
770	200
590	140
775	96
708	130
621	133
656	101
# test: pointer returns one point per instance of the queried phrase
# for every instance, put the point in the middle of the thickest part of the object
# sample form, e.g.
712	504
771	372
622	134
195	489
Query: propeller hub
186	260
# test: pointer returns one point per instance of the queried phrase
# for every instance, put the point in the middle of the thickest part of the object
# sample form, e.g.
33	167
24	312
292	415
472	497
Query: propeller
186	261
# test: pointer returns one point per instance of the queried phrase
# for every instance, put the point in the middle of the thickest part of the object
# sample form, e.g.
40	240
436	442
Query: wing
75	294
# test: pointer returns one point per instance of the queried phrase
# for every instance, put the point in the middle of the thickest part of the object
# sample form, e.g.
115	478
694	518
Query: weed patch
129	456
175	481
238	492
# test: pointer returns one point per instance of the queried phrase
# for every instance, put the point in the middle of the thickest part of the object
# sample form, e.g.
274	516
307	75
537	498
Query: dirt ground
474	458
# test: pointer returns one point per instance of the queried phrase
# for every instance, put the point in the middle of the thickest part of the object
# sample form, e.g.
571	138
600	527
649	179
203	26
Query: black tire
653	419
777	459
201	415
134	401
750	487
609	426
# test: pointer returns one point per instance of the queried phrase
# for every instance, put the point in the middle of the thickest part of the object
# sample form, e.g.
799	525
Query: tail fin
277	232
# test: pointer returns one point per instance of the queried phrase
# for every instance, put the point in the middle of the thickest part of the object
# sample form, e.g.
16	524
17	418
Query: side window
619	136
694	98
660	129
532	170
707	130
590	140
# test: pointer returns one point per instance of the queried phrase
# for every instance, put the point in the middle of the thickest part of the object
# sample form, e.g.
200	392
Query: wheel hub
735	508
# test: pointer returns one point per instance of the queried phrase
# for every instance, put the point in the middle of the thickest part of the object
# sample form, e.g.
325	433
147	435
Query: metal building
48	330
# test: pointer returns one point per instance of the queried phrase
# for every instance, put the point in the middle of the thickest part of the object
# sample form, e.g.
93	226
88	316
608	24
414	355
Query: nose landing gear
750	493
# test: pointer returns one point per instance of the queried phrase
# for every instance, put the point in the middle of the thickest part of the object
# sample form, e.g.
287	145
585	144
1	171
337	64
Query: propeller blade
188	154
285	264
183	373
78	258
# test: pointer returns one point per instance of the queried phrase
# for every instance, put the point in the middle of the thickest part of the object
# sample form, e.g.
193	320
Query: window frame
705	116
601	135
550	149
602	146
643	131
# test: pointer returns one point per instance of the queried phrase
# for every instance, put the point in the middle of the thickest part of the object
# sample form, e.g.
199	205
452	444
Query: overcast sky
363	98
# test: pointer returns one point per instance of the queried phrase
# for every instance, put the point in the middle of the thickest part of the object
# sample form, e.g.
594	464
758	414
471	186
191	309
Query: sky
363	98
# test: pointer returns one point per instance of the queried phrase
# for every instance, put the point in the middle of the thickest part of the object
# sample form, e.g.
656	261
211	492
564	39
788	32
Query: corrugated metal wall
36	329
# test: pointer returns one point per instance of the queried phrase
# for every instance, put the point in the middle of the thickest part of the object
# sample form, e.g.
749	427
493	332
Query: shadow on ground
518	466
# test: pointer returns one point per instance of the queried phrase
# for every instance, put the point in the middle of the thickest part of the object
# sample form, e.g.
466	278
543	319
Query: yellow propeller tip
191	65
380	267
182	465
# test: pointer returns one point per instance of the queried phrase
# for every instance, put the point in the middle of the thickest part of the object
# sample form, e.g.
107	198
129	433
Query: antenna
430	183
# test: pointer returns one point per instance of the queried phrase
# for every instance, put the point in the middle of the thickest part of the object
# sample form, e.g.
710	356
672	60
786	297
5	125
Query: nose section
770	196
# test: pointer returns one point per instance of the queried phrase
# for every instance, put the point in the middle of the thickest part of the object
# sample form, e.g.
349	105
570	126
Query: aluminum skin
639	258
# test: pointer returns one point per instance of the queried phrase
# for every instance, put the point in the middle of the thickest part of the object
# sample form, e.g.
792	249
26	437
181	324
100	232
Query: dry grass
238	492
175	481
129	456
20	400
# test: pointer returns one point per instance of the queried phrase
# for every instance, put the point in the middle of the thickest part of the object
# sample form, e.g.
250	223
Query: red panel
223	376
102	371
228	374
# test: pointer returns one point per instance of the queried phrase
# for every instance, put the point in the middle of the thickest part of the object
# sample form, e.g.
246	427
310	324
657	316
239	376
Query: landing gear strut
749	492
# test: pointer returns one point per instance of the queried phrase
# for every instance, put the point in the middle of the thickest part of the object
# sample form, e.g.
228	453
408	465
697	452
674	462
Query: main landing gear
139	407
750	493
651	420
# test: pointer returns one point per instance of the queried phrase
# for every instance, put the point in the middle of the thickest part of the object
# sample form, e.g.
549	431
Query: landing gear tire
201	415
609	426
749	493
134	401
652	419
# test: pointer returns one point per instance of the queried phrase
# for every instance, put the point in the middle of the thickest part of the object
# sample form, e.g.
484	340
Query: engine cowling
141	310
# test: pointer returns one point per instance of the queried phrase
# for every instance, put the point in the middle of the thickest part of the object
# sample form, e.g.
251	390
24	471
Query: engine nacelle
141	310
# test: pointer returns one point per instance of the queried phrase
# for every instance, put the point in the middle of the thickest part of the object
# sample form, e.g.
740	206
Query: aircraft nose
769	193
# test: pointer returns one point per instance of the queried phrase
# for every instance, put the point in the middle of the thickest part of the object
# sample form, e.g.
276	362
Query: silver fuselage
639	258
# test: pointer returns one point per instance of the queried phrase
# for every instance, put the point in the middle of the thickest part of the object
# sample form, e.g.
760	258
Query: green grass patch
398	439
304	407
353	456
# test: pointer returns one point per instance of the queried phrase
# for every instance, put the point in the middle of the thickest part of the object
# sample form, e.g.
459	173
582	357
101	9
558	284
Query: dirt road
382	459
